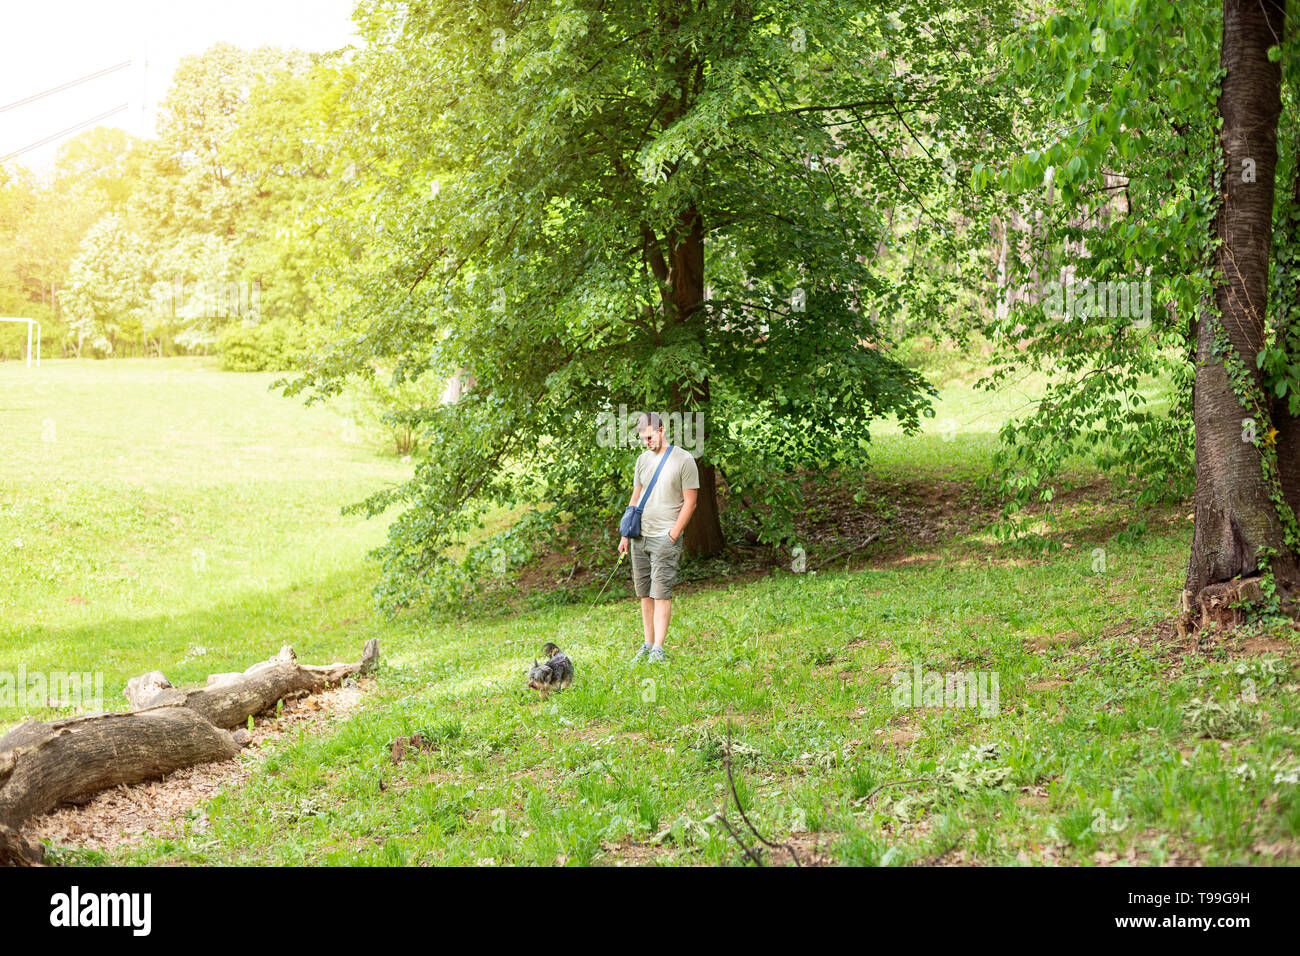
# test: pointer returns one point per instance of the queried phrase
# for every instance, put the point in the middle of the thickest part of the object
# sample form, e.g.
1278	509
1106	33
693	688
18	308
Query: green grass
164	515
1096	751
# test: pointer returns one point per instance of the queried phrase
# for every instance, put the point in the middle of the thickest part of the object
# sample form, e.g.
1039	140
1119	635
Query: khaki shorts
654	565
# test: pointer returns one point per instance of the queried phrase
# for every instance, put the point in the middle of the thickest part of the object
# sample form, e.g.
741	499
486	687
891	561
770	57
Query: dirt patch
1143	634
1140	632
953	856
859	642
1229	642
812	848
555	569
1176	855
906	516
126	815
631	853
1033	796
913	560
1047	684
1266	645
1041	644
1278	851
901	729
898	736
850	521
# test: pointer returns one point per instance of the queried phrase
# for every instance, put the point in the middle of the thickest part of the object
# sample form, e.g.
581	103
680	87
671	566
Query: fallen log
229	699
141	691
15	850
46	763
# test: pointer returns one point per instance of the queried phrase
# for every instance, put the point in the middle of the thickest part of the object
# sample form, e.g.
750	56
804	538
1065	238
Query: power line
59	89
63	132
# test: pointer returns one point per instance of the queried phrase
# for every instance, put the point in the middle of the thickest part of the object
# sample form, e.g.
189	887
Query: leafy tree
288	150
1098	202
190	185
1162	158
17	200
196	294
107	293
673	206
46	217
226	207
103	163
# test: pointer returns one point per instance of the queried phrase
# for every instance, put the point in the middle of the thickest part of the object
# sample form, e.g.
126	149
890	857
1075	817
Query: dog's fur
556	673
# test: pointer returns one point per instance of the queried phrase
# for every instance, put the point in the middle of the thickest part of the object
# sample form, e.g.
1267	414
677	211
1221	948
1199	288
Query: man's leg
648	619
641	583
663	613
665	555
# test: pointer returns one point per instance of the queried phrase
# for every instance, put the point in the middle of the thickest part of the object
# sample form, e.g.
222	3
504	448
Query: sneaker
657	655
642	654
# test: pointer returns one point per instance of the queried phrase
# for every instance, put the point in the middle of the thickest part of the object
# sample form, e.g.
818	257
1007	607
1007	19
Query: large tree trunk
703	535
1235	515
46	763
1288	425
686	273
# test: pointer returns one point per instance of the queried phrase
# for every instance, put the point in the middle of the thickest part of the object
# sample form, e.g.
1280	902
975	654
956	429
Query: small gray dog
557	672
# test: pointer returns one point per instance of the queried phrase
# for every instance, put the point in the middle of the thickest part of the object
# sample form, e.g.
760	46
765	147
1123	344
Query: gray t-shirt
666	500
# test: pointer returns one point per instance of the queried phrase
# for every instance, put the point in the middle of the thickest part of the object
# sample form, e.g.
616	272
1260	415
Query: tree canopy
685	206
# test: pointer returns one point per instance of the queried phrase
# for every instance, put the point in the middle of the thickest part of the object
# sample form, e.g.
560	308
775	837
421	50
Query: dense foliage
732	211
161	246
539	179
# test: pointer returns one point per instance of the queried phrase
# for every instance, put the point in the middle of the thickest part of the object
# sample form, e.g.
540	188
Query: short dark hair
650	420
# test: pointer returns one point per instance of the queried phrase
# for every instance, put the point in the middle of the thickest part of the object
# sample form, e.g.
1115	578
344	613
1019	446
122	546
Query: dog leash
592	610
617	565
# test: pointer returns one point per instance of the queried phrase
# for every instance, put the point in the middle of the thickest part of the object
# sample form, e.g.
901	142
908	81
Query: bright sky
50	42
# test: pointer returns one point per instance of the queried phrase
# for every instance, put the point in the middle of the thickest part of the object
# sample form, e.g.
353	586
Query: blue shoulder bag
630	525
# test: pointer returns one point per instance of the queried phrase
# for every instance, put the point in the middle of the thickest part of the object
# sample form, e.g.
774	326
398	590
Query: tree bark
704	532
1235	516
1288	425
703	535
16	850
44	764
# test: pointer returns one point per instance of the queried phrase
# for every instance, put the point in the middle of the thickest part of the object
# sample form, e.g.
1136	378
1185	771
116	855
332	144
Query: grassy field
165	515
1109	739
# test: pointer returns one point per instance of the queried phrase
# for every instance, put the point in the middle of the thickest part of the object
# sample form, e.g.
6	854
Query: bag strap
645	495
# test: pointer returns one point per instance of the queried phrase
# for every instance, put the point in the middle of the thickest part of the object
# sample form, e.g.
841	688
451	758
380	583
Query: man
663	522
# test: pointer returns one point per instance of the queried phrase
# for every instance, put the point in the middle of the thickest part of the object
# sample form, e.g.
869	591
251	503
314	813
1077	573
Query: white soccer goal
31	323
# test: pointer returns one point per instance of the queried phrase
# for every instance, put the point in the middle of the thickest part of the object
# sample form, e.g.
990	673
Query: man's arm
689	497
690	475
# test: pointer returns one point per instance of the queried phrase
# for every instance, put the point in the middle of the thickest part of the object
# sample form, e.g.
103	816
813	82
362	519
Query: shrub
268	347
